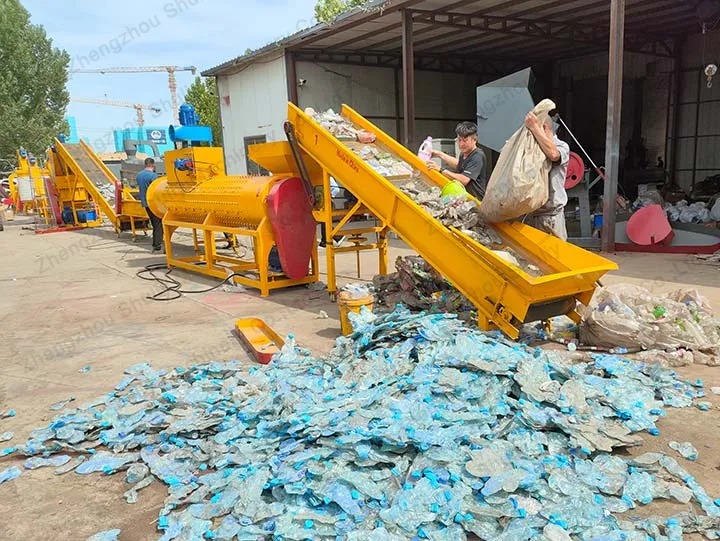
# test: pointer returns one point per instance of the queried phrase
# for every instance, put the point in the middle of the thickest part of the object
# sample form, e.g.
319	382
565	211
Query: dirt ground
73	300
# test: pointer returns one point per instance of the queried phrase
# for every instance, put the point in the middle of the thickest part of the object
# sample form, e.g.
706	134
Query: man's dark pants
157	230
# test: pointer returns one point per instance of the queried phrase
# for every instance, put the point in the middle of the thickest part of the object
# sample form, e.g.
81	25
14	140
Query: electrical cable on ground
172	285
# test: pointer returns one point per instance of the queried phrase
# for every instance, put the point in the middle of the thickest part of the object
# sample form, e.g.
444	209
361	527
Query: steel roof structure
494	38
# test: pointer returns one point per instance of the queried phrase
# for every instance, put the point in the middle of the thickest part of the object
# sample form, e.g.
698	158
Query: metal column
292	80
614	108
408	78
674	93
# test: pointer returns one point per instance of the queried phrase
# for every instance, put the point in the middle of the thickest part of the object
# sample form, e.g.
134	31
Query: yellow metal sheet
501	291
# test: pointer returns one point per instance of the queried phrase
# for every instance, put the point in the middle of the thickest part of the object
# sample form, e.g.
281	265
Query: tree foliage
33	75
327	10
203	95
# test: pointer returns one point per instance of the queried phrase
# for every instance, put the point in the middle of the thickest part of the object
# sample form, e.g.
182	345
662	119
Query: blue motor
184	164
187	115
190	133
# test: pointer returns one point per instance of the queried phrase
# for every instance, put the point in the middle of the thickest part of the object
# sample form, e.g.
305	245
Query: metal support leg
383	251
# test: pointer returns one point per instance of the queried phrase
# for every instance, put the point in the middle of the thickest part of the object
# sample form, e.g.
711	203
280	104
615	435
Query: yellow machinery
27	183
83	185
505	295
281	211
272	210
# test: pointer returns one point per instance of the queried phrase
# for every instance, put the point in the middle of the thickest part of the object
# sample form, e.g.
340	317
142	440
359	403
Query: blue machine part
184	164
67	216
189	132
187	115
23	152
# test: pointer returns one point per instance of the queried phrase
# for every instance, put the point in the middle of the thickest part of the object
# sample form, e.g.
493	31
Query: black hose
172	285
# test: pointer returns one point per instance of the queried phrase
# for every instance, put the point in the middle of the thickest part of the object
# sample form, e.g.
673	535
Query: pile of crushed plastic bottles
414	427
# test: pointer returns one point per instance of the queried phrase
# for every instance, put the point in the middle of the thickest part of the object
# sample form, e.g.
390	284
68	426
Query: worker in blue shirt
144	179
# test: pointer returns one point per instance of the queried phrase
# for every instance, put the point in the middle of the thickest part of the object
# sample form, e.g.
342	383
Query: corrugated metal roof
530	30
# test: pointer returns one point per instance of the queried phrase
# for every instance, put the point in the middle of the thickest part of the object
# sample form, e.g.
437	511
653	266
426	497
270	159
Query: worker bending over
550	218
144	179
469	168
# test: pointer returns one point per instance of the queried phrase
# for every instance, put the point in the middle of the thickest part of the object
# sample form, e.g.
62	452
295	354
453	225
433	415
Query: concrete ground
72	300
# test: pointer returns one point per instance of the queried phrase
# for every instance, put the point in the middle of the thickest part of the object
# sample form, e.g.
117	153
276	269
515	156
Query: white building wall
252	103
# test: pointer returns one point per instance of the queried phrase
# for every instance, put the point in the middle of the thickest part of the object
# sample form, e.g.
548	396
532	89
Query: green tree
33	75
203	95
327	10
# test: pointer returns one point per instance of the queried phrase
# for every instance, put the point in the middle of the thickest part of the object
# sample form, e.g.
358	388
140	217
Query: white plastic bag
625	315
715	212
519	184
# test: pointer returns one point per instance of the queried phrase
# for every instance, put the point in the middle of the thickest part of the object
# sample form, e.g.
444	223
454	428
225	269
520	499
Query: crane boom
172	84
137	106
140	69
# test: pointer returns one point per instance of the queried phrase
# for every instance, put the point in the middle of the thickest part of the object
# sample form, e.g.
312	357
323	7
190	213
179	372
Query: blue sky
203	33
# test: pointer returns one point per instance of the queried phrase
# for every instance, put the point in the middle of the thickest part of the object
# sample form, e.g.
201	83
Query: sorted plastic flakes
109	535
9	474
412	427
686	449
628	316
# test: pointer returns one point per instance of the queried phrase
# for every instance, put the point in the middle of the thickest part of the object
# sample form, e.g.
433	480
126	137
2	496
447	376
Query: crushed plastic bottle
6	436
106	462
131	496
136	473
686	449
70	466
356	291
9	474
60	405
36	462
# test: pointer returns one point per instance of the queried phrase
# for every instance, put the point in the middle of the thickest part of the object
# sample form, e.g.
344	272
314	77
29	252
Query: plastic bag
519	183
715	211
630	316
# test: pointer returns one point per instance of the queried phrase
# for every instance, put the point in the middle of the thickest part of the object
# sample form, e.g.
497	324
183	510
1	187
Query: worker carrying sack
519	184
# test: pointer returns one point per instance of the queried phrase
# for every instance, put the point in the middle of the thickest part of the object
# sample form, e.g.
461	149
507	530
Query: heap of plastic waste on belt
453	211
416	285
414	427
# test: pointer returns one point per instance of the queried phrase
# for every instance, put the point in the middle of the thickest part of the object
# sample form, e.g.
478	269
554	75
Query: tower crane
172	83
137	106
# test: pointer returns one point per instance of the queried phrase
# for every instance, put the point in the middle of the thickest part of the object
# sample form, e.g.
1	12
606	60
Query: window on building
252	167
